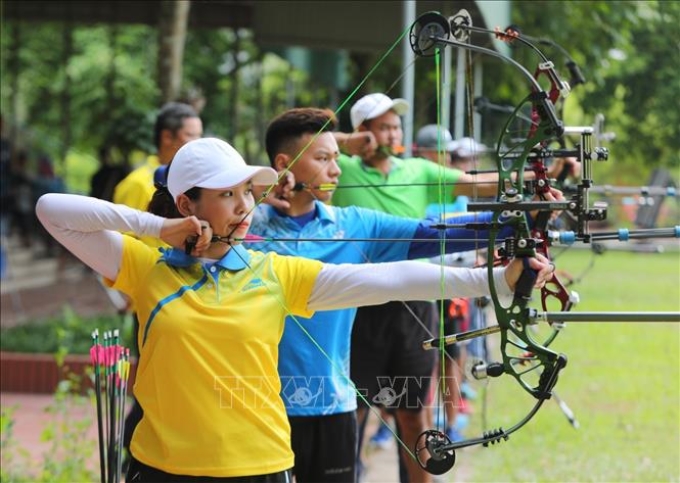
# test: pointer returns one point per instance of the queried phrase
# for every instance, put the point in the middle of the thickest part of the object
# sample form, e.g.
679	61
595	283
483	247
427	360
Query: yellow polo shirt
136	189
208	380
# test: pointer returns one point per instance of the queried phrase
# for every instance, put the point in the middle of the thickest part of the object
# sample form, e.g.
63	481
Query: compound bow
529	361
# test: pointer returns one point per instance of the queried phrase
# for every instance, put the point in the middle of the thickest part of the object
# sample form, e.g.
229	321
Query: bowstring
441	186
440	385
441	193
475	197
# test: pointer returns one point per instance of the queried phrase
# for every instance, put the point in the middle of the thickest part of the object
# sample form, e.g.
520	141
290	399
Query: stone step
29	267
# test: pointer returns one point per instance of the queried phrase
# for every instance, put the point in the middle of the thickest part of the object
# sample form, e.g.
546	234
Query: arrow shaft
326	240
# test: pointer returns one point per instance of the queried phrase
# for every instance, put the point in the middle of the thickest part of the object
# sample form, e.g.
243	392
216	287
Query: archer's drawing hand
189	231
359	143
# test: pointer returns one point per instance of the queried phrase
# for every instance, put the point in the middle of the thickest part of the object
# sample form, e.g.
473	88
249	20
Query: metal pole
408	86
459	114
447	56
477	92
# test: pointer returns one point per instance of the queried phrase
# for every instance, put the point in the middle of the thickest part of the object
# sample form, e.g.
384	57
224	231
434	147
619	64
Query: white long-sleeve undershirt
90	228
347	285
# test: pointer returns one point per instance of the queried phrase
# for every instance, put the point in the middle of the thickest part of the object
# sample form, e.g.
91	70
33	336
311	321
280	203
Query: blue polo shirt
314	366
315	352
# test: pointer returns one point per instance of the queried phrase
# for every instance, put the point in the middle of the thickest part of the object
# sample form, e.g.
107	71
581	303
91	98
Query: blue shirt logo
253	284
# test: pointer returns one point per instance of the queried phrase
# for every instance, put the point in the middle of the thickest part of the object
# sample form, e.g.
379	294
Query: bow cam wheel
431	452
425	31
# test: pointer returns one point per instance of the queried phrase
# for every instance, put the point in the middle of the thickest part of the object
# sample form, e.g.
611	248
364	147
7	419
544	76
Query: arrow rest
482	370
474	368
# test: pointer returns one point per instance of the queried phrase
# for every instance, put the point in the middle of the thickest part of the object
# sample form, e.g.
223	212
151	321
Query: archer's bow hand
541	266
563	167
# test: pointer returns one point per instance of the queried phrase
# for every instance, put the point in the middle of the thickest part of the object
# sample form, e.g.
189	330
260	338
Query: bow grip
525	283
547	112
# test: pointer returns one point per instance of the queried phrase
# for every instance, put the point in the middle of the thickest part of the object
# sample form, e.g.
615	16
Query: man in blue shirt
315	353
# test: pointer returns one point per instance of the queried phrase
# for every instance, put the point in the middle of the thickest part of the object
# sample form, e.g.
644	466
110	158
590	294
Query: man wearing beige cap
385	339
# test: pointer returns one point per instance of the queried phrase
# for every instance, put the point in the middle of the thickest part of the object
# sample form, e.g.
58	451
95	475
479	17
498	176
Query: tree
629	54
112	90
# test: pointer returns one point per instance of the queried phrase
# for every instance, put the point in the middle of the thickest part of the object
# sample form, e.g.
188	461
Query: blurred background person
104	181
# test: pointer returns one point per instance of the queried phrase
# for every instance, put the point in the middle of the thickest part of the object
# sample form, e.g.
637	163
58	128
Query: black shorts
388	364
325	447
139	472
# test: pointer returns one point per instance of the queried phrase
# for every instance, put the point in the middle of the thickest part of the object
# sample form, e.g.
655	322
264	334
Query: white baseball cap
467	148
375	105
430	136
212	163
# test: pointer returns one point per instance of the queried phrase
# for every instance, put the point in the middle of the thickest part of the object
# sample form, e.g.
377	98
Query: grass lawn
622	382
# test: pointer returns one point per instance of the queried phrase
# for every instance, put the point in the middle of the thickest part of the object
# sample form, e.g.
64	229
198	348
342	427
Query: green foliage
69	448
66	334
622	382
12	455
79	168
103	90
99	93
629	54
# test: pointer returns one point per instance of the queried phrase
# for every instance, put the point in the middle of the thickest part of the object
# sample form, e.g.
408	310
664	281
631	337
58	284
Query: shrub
69	333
